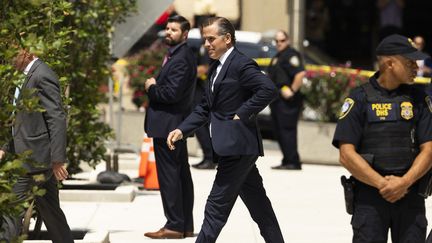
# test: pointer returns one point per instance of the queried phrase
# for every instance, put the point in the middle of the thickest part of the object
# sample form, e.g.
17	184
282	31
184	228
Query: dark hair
184	23
225	26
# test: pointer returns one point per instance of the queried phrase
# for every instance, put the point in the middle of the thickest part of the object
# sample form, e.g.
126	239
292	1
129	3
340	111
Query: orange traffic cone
151	179
147	168
145	151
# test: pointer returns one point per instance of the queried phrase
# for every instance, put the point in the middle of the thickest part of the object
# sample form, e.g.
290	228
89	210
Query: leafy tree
73	37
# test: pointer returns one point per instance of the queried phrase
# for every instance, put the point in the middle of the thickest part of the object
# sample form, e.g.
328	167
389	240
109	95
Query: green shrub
325	90
145	64
73	37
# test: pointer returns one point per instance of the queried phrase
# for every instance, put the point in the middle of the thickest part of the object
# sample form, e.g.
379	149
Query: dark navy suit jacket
240	88
171	98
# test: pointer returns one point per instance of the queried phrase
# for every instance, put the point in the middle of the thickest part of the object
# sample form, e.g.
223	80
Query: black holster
348	185
425	185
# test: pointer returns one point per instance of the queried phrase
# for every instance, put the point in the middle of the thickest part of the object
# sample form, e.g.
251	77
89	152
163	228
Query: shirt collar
224	56
27	69
172	49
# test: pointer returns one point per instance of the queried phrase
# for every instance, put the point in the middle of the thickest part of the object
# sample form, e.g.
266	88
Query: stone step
120	194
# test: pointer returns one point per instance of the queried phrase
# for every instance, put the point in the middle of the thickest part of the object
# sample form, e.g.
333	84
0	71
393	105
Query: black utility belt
387	173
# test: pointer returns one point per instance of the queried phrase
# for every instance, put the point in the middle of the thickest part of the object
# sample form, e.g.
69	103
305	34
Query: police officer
286	70
384	135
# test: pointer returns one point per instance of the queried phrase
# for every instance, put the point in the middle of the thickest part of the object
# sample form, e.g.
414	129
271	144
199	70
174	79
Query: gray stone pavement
309	206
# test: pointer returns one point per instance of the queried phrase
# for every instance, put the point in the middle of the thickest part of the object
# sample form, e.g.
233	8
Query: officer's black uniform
285	113
387	128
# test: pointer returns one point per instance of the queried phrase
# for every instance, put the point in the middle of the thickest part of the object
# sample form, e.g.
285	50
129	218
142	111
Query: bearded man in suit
171	95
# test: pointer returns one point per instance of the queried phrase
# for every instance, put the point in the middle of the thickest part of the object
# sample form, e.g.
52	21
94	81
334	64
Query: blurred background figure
424	69
390	16
317	20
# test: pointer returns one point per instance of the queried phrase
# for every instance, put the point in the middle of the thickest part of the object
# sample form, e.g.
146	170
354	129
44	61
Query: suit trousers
48	206
203	137
176	186
373	217
285	115
238	175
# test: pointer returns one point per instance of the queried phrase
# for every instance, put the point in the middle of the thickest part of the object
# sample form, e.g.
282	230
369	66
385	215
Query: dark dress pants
373	217
175	183
285	115
203	137
238	175
48	207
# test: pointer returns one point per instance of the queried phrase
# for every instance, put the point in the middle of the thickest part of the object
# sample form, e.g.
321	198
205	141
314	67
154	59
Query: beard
171	42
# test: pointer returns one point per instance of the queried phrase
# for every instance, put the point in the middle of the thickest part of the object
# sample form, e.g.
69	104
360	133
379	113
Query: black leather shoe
205	165
287	167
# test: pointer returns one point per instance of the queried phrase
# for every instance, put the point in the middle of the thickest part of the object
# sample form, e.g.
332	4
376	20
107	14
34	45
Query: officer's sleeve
424	124
292	64
350	125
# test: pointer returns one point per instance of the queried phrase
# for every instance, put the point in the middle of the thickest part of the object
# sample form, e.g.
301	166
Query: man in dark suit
171	95
43	133
237	91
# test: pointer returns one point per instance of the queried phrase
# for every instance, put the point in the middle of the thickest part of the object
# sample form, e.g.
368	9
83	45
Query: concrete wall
259	15
229	9
255	15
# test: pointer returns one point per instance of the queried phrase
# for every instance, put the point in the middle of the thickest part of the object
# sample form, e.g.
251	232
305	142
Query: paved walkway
309	206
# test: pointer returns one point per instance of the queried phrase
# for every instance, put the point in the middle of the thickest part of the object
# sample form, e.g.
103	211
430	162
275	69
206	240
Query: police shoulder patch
295	61
429	102
346	107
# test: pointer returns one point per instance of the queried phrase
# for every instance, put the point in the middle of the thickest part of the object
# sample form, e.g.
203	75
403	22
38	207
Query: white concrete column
296	13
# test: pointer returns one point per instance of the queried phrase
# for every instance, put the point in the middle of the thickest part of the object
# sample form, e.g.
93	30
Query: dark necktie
213	76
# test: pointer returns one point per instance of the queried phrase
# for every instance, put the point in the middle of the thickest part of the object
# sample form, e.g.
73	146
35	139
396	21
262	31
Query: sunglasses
280	41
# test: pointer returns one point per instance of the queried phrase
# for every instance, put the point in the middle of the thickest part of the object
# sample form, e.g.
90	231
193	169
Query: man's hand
59	171
202	70
173	137
2	154
286	92
395	189
149	82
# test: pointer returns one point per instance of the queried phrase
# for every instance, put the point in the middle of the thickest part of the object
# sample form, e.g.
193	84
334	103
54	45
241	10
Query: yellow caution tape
264	62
